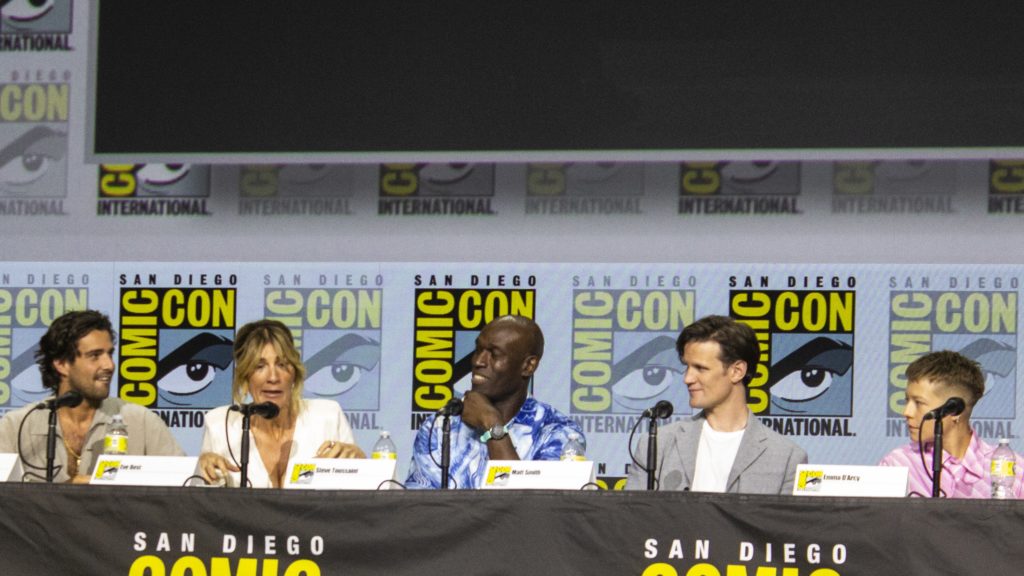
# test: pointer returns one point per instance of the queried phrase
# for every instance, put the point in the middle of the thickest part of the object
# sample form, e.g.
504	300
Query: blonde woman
268	369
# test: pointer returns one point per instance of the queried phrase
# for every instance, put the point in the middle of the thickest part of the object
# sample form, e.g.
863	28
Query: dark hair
950	369
736	339
61	341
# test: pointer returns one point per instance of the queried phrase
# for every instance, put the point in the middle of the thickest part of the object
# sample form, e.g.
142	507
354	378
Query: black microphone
268	410
953	407
663	409
69	399
452	408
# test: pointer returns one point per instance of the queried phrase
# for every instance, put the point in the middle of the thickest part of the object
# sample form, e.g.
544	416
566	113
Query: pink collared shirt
967	477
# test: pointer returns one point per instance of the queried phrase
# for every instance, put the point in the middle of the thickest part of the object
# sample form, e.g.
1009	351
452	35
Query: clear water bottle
116	440
1003	471
573	449
384	449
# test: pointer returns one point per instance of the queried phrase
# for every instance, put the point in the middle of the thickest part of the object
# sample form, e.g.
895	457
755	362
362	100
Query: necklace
71	452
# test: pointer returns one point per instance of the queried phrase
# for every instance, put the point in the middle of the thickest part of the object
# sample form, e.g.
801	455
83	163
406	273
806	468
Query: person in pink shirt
932	380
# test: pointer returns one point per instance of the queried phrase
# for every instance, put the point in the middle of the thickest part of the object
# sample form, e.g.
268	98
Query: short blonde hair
249	343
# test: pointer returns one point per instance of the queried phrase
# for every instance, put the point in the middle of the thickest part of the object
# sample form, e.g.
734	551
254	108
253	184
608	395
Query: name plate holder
10	468
341	474
842	480
538	475
144	470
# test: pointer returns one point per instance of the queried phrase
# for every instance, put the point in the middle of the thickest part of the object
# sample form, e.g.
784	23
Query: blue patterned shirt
538	432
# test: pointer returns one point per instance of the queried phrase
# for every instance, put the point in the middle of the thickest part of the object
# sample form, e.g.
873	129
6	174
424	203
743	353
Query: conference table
156	531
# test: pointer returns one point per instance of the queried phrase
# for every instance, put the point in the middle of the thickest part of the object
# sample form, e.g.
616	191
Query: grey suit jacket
765	463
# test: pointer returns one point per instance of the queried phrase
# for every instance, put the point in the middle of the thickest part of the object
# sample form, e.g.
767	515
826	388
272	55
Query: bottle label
574	457
1003	468
384	456
115	445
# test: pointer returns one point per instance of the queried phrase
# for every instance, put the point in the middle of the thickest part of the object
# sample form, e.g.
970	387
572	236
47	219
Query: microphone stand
244	464
652	451
51	442
937	459
446	448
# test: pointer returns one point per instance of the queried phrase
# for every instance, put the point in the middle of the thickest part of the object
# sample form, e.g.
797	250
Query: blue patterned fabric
538	432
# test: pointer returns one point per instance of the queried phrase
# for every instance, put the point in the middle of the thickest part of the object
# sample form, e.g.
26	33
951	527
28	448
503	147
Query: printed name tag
144	470
9	468
840	480
341	474
538	474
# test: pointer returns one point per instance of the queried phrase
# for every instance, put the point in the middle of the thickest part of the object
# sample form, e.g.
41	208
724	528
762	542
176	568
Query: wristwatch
497	432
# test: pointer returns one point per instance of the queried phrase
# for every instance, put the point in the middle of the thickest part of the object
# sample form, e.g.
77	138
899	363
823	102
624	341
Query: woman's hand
335	449
214	468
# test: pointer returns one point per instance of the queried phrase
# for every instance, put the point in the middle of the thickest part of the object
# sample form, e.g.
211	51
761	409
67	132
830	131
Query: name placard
341	474
9	468
841	480
538	475
144	470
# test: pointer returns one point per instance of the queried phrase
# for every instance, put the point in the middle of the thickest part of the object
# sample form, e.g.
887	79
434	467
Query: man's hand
478	412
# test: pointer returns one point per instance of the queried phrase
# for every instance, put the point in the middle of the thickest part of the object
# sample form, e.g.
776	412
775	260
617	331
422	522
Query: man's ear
530	365
737	371
63	367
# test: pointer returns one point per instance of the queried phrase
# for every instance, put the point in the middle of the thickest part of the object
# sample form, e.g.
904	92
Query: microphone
663	409
69	399
953	407
452	408
268	410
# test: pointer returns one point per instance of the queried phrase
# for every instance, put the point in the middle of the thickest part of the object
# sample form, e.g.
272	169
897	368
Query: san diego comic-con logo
35	25
153	190
624	358
732	557
584	188
739	187
1006	187
34	145
803	383
894	187
295	189
436	189
338	333
26	312
174	345
448	317
975	316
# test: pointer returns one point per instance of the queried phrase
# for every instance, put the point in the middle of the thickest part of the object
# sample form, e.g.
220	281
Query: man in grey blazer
722	448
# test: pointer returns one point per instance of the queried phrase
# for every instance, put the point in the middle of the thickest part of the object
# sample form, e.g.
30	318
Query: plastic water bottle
116	440
573	449
384	448
1003	471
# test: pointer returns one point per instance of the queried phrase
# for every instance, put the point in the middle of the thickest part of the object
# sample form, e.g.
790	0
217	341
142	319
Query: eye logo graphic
815	378
185	374
154	181
26	382
346	368
35	17
999	364
34	163
303	473
650	373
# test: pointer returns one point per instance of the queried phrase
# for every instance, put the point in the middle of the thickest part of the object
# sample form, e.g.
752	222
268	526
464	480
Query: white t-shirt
715	455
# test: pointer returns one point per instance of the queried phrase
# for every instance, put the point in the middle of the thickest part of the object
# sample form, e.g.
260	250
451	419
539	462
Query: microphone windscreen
268	410
663	409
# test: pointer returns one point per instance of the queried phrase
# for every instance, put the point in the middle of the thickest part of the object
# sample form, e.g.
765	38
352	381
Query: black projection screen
369	79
